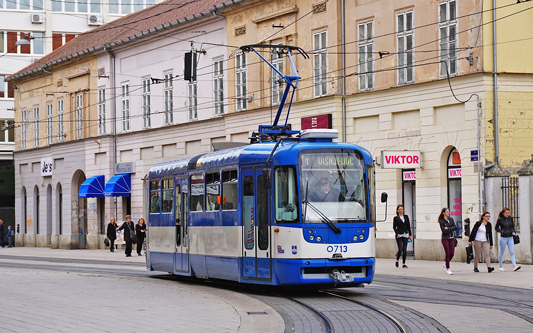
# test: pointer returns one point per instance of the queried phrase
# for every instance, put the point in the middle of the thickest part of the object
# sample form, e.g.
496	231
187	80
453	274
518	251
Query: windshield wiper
323	217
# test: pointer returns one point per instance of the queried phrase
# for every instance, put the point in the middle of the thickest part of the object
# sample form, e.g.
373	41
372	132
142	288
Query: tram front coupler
341	276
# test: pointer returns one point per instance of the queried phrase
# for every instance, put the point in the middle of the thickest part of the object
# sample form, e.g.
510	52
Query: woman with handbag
481	235
129	234
402	232
112	234
447	226
140	229
505	226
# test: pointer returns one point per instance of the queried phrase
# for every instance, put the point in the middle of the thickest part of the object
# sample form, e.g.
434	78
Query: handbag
455	241
133	237
469	254
106	241
516	239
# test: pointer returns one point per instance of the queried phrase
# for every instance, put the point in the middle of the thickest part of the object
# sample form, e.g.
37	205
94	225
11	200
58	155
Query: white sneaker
517	268
449	272
445	269
502	269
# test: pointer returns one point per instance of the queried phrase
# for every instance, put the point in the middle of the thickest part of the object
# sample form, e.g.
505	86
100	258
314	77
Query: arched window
24	210
455	201
36	209
59	200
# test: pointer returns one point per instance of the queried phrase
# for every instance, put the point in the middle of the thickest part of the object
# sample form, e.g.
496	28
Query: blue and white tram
299	211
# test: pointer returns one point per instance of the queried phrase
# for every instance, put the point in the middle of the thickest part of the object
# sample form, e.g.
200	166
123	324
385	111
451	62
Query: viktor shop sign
408	159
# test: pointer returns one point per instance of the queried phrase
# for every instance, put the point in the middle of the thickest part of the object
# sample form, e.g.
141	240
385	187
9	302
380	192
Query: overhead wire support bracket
275	130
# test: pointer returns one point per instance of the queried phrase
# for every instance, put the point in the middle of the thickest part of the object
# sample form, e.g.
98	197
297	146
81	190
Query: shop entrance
409	204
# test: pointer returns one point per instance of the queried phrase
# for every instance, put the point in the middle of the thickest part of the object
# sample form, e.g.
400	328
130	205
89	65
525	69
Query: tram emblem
294	249
280	249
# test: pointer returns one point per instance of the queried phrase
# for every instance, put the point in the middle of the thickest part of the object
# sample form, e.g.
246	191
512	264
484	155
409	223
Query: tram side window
229	190
212	189
197	192
286	194
155	200
168	195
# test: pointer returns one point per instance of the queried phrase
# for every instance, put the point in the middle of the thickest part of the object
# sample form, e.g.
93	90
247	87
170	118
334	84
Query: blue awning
92	187
118	186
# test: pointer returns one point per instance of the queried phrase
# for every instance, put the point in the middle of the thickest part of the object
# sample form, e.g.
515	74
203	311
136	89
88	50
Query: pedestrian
140	230
447	226
402	232
1	234
505	226
129	234
10	236
112	233
481	235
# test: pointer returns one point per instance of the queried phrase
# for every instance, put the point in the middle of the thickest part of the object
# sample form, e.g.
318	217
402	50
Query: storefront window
455	201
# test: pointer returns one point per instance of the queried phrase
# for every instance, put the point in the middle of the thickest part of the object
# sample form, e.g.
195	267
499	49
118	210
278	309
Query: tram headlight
319	239
312	237
361	237
355	238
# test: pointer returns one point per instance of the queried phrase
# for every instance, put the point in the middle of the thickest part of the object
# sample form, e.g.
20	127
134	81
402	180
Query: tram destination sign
407	159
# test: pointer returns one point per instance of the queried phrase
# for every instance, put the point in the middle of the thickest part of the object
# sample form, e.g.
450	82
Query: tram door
181	256
256	258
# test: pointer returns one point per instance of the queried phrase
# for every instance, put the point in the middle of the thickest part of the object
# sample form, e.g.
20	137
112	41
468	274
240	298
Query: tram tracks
337	313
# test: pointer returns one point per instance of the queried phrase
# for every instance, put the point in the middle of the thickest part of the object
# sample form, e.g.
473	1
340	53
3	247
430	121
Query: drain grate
256	312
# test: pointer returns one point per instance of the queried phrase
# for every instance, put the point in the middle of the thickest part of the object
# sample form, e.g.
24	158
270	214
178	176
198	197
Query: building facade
412	81
43	26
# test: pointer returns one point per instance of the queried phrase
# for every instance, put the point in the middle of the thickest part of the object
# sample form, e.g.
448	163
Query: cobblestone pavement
44	290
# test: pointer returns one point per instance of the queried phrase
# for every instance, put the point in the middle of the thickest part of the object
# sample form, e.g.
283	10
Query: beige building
377	71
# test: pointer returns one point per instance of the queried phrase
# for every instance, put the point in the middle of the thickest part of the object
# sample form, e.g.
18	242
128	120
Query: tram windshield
332	184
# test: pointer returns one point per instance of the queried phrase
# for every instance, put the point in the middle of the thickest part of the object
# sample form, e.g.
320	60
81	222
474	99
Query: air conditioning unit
37	18
95	19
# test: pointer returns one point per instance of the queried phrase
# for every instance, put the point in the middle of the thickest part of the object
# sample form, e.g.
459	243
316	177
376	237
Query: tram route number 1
337	248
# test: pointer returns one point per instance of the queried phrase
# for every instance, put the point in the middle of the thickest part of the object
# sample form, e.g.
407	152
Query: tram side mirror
384	197
267	178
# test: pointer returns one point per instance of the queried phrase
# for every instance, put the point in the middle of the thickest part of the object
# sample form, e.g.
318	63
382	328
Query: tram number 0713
337	248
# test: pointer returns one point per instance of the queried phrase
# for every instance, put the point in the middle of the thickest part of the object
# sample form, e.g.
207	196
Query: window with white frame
6	90
49	123
240	81
366	55
36	126
80	6
169	105
23	4
24	128
79	116
125	107
9	39
101	111
60	124
218	86
276	59
192	96
405	39
320	63
146	103
448	37
128	6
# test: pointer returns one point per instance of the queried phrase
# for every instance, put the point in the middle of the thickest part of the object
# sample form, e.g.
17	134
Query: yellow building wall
514	36
64	83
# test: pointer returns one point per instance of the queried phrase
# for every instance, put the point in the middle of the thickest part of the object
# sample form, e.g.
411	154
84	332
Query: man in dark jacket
129	234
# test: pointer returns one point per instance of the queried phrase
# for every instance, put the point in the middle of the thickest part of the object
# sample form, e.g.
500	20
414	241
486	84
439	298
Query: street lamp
23	41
